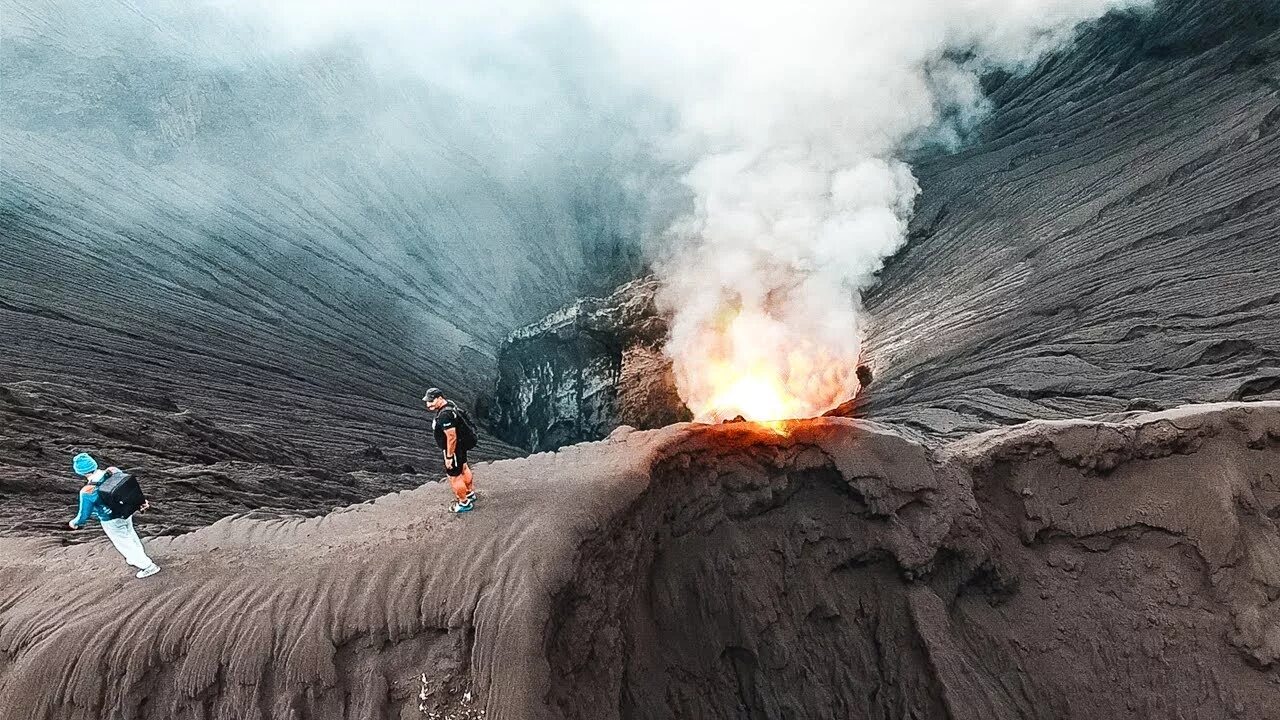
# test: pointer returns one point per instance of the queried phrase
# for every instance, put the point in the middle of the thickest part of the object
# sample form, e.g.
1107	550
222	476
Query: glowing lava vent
752	367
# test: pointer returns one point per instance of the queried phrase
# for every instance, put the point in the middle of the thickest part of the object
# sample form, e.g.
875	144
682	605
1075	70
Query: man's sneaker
460	507
148	571
471	496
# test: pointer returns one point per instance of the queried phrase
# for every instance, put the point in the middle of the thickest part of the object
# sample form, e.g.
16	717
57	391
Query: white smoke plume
795	117
790	125
774	132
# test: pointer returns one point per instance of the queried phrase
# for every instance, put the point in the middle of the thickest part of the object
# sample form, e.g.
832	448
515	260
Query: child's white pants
126	540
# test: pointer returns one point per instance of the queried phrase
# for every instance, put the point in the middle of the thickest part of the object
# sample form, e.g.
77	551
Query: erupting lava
754	368
755	394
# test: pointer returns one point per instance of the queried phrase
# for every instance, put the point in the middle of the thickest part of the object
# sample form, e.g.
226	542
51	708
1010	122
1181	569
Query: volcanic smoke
786	125
797	119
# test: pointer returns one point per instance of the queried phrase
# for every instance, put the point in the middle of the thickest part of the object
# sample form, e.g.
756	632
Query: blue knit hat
84	464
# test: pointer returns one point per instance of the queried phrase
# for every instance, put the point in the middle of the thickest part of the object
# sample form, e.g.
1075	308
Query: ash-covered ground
1066	569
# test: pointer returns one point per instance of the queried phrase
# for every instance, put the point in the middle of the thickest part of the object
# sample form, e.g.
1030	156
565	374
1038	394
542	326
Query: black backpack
467	437
122	494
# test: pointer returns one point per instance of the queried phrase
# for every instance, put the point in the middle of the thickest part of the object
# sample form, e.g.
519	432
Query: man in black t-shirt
451	428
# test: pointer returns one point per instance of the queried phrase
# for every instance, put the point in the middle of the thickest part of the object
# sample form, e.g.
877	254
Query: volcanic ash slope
1120	567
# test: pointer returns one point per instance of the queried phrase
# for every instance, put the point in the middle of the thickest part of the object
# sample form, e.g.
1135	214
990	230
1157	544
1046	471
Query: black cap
432	394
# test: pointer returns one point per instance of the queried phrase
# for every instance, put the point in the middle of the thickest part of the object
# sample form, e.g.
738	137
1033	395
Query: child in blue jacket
119	530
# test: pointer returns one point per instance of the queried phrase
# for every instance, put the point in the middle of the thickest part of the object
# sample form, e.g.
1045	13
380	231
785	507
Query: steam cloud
764	143
797	116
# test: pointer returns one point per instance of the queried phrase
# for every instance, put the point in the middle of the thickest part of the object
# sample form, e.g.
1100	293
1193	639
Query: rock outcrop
584	370
1120	567
592	367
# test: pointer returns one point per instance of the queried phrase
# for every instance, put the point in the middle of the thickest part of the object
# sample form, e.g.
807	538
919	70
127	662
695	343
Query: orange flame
754	394
753	367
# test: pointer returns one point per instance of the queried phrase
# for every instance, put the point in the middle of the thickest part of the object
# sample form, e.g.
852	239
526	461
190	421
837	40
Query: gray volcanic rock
584	370
1051	570
300	239
647	396
1109	243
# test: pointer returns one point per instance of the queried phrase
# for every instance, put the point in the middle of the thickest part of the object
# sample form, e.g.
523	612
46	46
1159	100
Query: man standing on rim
455	436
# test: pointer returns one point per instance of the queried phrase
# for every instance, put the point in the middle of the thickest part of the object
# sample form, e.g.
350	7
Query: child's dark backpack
122	494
